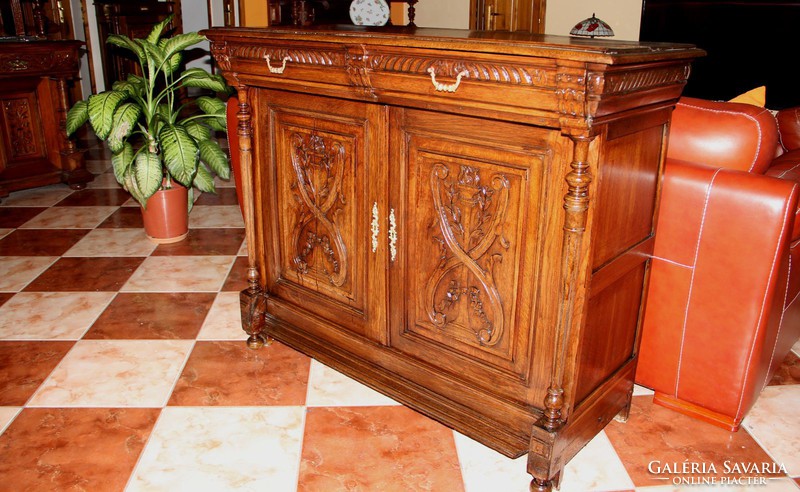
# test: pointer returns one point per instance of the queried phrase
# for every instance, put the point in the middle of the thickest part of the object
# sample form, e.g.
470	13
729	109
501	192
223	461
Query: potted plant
160	139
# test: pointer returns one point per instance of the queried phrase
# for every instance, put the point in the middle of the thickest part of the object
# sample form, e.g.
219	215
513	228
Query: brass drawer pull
446	87
280	69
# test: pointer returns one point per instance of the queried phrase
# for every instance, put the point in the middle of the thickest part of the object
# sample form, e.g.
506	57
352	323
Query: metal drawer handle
392	235
276	69
375	227
446	87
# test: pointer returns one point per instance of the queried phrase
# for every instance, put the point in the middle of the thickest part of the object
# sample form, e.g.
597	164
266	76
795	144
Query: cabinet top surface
501	42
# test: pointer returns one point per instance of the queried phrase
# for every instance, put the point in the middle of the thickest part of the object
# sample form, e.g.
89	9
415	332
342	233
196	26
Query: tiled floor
123	367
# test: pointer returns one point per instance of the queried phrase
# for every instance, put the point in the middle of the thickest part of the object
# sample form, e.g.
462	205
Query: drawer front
467	79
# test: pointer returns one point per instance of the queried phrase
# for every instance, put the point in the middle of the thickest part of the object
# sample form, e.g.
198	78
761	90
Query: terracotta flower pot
166	218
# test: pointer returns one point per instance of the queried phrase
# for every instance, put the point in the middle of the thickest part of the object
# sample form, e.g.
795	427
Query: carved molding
306	56
571	93
635	80
485	71
469	218
48	62
319	166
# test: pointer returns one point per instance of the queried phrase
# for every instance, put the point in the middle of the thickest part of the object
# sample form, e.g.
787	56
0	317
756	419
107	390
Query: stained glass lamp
592	27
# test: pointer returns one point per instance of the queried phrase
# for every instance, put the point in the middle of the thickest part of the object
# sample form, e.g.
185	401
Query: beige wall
622	15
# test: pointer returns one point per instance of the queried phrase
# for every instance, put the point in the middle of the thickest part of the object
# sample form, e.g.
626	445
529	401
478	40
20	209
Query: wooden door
508	15
325	193
468	217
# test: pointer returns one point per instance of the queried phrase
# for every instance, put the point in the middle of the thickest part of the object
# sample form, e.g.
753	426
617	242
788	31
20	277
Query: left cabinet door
323	196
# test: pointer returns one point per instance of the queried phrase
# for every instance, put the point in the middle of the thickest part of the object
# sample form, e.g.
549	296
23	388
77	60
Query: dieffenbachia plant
154	135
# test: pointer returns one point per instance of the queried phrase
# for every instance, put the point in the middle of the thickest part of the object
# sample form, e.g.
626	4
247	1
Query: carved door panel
325	189
466	229
23	136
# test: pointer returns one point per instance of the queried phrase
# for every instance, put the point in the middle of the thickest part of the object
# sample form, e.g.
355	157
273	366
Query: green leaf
180	153
215	157
129	183
158	29
198	131
217	123
204	180
180	42
125	118
121	162
127	43
190	200
101	111
77	116
163	110
147	170
154	54
211	105
205	80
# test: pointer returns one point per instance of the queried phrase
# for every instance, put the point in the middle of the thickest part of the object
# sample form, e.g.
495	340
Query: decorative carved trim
375	227
319	165
306	56
469	215
576	205
357	63
630	81
48	62
17	113
571	92
475	70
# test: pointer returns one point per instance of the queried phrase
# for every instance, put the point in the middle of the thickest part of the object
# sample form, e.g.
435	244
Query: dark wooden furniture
459	219
132	19
34	148
325	11
749	44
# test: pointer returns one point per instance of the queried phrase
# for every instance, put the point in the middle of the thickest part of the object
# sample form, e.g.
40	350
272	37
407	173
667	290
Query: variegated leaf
101	111
77	116
206	81
125	118
180	42
148	173
198	131
204	180
121	162
158	29
215	157
211	105
126	43
180	153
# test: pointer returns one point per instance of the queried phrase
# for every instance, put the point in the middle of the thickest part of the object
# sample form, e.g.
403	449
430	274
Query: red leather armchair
722	309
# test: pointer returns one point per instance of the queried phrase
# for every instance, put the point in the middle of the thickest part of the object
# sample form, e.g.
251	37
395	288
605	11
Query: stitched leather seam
735	113
780	326
763	306
784	173
691	282
671	262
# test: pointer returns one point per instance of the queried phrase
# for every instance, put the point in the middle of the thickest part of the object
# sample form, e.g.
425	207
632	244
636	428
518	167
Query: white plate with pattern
369	12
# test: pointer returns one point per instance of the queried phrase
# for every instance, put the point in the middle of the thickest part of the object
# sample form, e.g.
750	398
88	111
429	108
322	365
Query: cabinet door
324	184
465	268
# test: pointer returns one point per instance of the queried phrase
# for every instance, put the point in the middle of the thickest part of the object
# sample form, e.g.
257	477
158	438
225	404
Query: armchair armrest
717	289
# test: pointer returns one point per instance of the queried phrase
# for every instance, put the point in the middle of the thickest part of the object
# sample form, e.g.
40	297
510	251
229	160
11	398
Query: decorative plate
369	12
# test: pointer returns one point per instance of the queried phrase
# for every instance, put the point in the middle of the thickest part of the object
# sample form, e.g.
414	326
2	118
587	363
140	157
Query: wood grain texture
479	254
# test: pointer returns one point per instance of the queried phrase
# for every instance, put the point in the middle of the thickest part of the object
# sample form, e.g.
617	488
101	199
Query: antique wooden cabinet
461	220
34	148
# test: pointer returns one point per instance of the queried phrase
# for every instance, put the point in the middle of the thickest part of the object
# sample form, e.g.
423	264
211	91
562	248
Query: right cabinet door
465	247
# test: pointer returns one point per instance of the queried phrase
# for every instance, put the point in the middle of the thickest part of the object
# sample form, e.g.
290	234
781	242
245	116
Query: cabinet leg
623	414
253	305
539	485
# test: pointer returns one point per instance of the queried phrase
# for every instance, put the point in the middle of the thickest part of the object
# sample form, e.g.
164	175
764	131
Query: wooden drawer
499	82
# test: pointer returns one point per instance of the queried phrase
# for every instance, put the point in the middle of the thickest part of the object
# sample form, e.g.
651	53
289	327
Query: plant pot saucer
167	240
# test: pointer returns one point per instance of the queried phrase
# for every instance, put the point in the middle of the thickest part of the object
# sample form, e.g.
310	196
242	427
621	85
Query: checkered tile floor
123	367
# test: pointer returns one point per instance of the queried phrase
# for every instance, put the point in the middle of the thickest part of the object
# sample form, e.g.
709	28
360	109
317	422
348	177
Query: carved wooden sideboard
34	148
461	220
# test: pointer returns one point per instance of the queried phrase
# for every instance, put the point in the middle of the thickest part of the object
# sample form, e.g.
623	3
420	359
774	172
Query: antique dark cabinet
462	220
132	19
507	15
34	148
